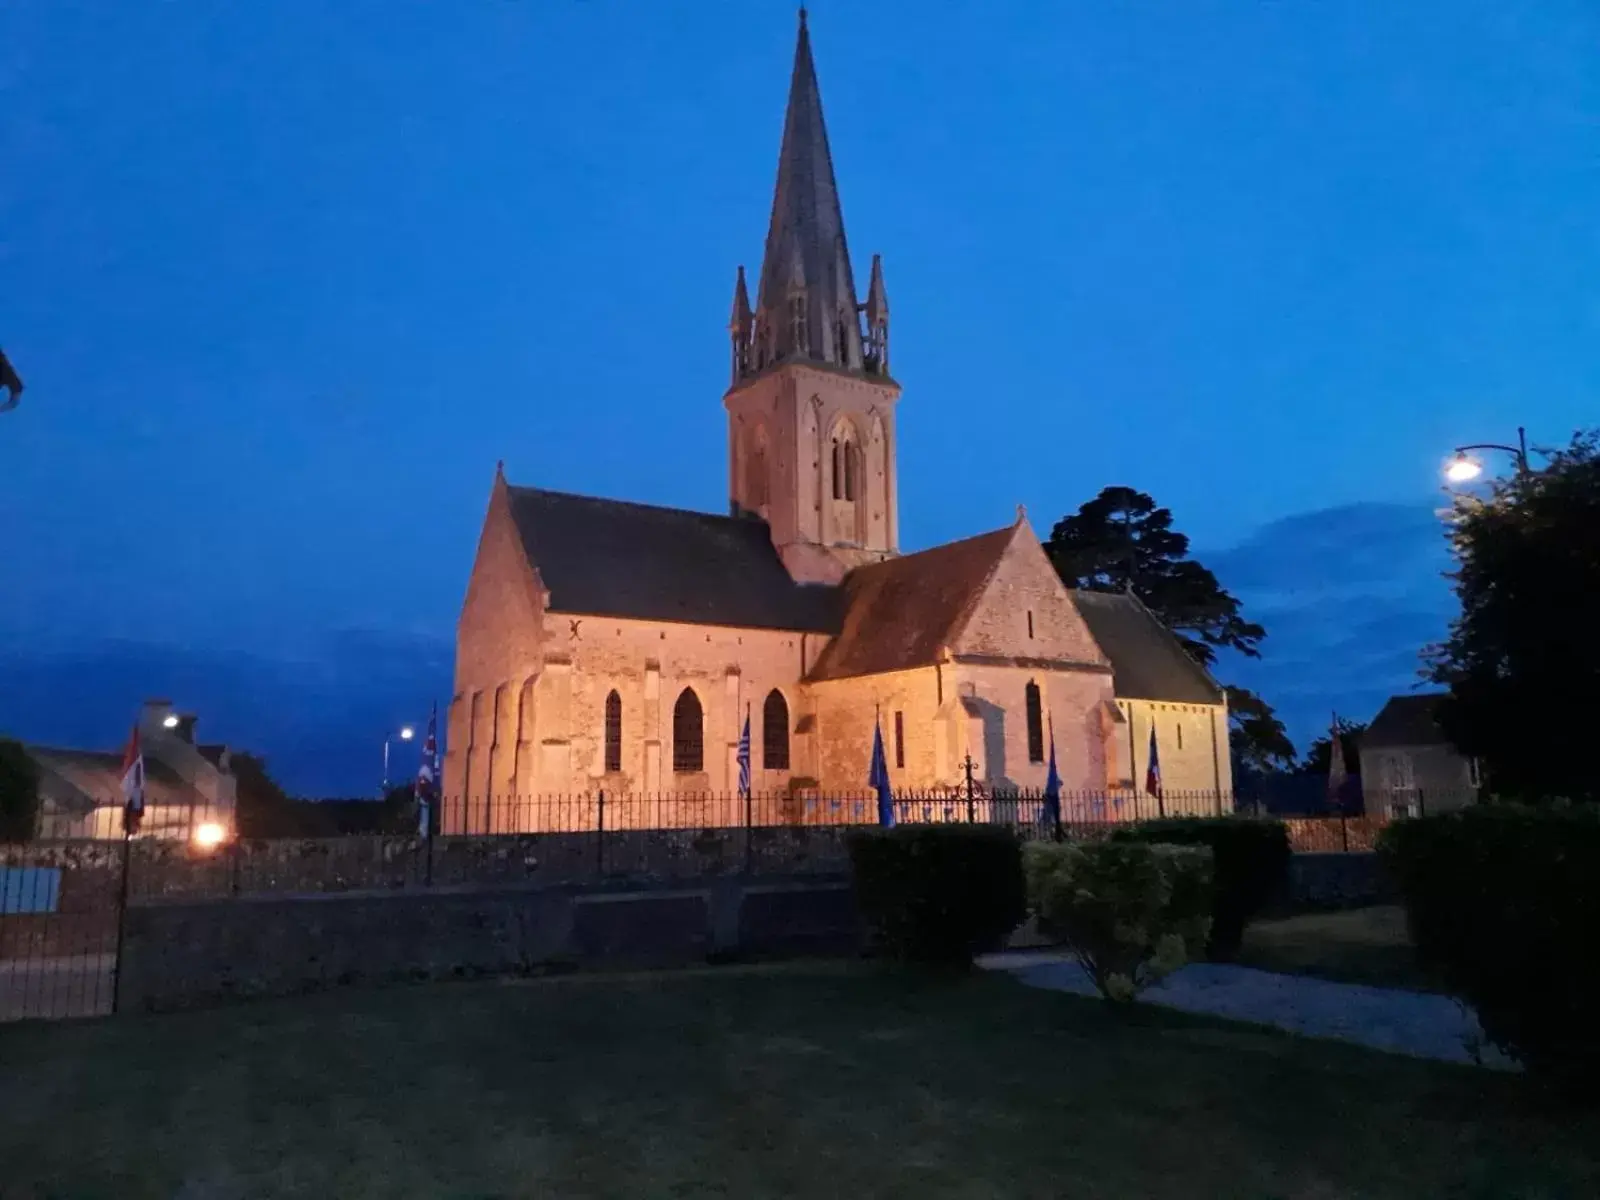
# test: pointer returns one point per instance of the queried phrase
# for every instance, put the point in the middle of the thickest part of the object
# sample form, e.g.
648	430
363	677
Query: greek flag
744	758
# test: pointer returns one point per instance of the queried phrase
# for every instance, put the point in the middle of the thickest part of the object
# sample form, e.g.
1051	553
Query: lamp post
1463	468
405	734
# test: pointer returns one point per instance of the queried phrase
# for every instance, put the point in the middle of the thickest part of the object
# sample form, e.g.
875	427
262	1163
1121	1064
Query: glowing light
407	733
1463	469
208	835
170	721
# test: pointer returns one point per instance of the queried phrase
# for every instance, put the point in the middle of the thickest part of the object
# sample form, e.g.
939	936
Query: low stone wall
1338	880
178	953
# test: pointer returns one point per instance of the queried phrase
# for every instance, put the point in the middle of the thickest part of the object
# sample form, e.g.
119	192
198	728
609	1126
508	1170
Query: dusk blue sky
285	280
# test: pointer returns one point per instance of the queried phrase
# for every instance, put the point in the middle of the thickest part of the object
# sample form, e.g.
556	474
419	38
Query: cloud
1349	597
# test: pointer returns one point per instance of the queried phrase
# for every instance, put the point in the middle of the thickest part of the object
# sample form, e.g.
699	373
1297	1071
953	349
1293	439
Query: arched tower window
775	732
1035	722
613	732
838	470
755	466
688	734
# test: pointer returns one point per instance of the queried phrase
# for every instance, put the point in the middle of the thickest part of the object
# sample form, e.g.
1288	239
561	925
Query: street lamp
405	734
1464	468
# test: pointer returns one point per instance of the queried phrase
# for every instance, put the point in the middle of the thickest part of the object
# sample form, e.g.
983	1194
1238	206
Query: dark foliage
1250	868
1528	569
1257	740
19	793
1121	541
938	894
1319	754
265	811
1503	902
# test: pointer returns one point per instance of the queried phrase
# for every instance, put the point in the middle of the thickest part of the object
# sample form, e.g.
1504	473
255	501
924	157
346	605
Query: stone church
607	645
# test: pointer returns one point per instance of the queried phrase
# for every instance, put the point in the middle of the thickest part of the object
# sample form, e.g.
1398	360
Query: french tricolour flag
132	784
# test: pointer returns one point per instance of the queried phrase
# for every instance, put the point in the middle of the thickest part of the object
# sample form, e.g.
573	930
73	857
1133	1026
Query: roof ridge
691	512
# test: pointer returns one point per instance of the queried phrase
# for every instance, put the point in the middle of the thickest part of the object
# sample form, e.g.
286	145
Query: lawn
815	1081
1362	945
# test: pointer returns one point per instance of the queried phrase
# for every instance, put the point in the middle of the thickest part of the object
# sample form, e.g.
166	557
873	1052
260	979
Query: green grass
1362	945
816	1081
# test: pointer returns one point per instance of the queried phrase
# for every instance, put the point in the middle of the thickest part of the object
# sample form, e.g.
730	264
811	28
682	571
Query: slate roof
900	612
1147	661
1408	720
611	558
98	775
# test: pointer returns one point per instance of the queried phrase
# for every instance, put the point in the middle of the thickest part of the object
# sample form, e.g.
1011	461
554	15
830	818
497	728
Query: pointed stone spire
806	304
877	348
739	328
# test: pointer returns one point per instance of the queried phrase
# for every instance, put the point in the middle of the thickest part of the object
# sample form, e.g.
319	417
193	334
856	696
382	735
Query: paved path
1391	1019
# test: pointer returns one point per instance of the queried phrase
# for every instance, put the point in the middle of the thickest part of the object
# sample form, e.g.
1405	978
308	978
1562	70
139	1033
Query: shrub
937	894
19	792
1250	864
1503	902
1131	913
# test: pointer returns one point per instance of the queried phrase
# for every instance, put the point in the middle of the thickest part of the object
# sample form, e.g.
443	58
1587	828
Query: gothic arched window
775	732
688	734
838	470
1035	722
613	732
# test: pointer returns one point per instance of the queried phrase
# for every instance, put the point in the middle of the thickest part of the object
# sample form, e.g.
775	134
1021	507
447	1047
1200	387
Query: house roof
616	559
1409	720
98	775
1147	661
901	612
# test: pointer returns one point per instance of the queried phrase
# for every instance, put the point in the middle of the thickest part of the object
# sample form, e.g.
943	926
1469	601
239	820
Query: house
187	784
1408	766
608	646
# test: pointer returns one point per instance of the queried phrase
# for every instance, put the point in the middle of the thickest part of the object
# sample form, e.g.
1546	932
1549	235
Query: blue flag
744	758
1152	773
878	778
1051	812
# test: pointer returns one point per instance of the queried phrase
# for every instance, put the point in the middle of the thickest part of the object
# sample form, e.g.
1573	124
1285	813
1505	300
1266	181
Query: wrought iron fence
62	899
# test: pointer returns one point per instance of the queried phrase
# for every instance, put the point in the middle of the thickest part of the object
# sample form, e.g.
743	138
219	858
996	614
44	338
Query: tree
1120	541
1257	740
1521	661
19	792
1319	754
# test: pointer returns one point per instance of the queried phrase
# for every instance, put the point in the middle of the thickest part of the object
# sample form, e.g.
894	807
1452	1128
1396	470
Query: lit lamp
1463	468
208	835
170	721
405	734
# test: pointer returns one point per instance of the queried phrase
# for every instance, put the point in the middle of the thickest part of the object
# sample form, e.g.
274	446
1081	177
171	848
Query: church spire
806	302
739	327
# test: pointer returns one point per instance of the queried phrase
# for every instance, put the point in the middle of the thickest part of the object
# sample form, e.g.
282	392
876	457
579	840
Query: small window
799	333
688	734
852	468
838	471
899	739
1030	624
613	733
775	732
1178	726
1035	722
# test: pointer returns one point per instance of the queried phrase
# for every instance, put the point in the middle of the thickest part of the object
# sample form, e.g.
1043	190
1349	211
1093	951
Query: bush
1250	865
937	894
1131	913
19	793
1503	904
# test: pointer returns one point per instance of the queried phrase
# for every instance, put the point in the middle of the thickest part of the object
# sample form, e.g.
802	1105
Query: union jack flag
428	775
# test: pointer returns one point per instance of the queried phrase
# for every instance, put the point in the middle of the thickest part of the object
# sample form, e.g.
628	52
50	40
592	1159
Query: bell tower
811	406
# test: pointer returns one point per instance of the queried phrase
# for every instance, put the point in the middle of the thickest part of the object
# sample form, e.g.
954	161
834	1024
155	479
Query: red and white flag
132	784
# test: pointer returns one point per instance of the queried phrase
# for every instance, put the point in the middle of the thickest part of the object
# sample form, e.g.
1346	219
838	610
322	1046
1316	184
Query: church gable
1022	610
502	615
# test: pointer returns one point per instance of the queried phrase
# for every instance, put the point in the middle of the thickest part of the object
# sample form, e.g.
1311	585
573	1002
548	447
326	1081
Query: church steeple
806	307
811	408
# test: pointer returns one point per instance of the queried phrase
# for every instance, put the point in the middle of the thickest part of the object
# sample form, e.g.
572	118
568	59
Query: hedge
938	894
1132	913
1503	904
1250	864
19	792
